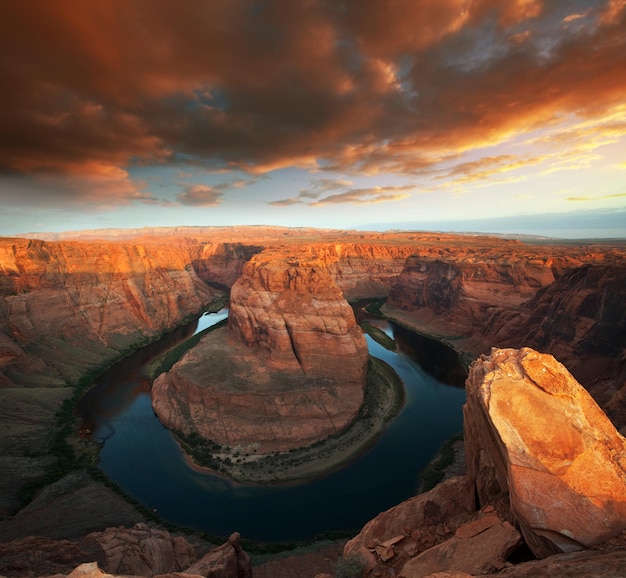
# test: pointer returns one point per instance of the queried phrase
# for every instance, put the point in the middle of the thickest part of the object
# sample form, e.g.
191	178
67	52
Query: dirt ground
317	559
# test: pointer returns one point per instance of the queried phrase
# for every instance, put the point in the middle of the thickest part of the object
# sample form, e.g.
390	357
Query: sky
501	115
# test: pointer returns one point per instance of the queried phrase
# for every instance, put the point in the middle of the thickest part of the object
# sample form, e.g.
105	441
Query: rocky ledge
549	470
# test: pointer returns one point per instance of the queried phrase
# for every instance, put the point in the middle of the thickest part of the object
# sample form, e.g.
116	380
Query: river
144	459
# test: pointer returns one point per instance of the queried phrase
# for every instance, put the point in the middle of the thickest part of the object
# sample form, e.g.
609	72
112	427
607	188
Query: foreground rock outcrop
137	551
548	469
537	440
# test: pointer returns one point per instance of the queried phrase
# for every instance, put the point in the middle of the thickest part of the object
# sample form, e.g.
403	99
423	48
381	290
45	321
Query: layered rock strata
67	306
457	293
290	372
293	312
540	448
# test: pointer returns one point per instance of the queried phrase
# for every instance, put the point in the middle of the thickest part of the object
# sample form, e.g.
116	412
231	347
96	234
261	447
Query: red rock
140	550
300	377
587	564
476	548
226	561
88	570
452	501
290	308
543	452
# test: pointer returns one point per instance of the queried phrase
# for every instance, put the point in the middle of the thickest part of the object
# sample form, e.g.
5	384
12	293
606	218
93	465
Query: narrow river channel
145	460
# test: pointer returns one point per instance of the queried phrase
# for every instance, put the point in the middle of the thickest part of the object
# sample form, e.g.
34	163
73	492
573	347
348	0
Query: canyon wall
65	309
68	306
567	300
292	350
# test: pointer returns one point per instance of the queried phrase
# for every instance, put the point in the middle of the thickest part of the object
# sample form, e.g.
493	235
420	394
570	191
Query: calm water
143	457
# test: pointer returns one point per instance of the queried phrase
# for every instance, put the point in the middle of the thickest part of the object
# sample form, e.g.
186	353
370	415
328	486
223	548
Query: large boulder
414	525
543	452
141	550
477	547
226	561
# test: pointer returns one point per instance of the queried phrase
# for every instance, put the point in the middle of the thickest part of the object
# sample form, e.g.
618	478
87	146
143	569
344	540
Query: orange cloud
105	85
615	196
314	197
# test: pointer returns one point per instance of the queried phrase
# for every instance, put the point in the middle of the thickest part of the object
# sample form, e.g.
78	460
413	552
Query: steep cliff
290	373
291	309
458	292
66	307
567	300
581	320
542	451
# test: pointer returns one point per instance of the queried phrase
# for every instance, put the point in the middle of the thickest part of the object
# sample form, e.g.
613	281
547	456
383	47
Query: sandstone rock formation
415	525
581	320
244	405
477	547
137	551
141	550
456	292
226	561
69	306
298	363
61	316
541	449
291	310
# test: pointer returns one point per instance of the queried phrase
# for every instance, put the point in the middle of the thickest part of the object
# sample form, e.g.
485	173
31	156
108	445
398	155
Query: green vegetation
351	567
434	473
374	306
379	336
165	362
383	398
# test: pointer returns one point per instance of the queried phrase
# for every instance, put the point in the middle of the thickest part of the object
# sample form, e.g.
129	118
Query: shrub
351	567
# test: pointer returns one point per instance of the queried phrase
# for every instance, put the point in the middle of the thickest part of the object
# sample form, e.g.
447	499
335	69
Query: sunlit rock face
542	451
67	306
581	320
291	309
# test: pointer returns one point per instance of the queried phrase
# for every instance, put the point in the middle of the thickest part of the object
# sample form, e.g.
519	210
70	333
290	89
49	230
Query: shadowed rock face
461	290
543	452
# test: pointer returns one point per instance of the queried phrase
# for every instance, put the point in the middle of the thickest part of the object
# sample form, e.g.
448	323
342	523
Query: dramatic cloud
94	89
352	196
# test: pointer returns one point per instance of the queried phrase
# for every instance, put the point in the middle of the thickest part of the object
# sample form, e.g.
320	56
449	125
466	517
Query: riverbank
383	399
468	348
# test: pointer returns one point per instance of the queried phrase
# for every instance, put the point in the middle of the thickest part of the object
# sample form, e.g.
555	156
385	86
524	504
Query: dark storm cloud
91	88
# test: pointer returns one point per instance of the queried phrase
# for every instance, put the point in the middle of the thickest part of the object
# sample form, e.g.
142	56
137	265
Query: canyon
70	306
